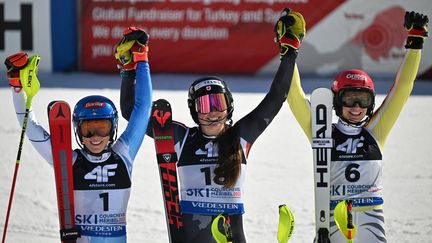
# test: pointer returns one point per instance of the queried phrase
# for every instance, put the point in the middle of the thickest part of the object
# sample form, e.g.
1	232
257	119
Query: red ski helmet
352	80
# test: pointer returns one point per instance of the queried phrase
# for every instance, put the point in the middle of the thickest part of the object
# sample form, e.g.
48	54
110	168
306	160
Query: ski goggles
211	102
351	98
91	128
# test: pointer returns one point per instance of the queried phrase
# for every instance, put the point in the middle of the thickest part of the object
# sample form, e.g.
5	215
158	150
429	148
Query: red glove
132	48
14	64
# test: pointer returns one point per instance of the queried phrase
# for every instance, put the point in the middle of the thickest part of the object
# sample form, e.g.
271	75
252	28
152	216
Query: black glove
290	30
416	25
132	48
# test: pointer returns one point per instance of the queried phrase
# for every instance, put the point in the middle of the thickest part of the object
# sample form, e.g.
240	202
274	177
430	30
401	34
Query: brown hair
230	158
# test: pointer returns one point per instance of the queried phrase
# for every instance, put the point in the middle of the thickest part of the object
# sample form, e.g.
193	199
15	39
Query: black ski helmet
208	85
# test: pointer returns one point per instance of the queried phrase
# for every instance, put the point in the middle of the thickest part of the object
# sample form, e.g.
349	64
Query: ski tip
161	114
323	92
161	103
59	109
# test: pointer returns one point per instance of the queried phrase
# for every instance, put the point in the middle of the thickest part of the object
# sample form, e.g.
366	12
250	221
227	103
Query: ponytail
230	158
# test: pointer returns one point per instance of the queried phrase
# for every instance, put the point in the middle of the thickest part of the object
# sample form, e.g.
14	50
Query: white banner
26	27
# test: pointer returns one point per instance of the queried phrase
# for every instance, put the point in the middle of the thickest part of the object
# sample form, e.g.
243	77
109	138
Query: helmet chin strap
96	154
212	122
355	124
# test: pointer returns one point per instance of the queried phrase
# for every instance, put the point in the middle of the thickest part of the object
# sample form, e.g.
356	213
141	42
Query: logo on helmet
94	105
208	83
356	77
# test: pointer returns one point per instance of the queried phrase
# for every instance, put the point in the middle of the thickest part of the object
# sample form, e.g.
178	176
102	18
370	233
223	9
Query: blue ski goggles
362	98
211	102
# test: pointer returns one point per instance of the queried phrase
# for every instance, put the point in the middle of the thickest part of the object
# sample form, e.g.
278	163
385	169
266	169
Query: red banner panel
191	36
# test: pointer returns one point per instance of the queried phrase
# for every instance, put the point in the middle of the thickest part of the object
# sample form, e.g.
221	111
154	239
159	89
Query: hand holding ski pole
416	25
132	48
22	74
344	220
28	81
290	30
14	64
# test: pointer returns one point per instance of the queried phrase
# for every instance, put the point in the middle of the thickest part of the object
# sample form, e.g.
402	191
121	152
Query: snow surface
279	168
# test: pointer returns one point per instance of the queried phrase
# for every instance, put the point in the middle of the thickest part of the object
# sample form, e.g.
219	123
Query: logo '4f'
210	150
350	146
101	173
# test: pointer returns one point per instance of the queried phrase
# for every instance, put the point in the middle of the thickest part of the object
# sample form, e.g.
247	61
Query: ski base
163	134
322	144
59	114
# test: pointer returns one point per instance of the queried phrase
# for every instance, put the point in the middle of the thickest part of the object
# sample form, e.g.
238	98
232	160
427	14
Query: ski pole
286	224
344	219
30	85
350	225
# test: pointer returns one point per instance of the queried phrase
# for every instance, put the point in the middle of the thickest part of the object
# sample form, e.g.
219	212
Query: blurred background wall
211	36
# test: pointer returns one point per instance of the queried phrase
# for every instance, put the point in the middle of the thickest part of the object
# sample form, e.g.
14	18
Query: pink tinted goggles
211	102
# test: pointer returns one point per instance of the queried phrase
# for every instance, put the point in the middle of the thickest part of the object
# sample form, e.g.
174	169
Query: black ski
163	132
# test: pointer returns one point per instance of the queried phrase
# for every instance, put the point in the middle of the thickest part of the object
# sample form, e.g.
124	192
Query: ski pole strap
218	236
344	219
70	234
286	224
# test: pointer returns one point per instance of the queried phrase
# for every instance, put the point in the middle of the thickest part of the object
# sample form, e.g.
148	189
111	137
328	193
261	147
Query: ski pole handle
29	80
218	236
344	219
286	224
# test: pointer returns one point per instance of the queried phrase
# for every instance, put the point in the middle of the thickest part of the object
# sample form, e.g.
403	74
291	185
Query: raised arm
385	117
300	104
290	30
127	93
22	70
132	53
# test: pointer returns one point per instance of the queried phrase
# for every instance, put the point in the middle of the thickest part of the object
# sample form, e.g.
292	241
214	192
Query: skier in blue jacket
103	165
